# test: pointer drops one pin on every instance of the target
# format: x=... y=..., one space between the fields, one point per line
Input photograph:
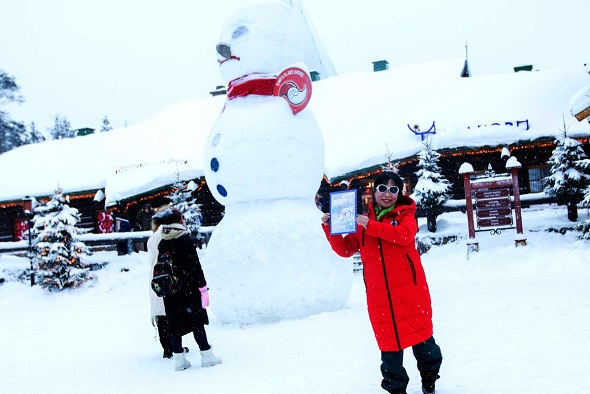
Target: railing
x=109 y=239
x=526 y=200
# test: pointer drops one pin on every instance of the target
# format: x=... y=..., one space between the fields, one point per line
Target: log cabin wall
x=9 y=212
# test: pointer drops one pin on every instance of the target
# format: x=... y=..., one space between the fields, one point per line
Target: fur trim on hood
x=174 y=230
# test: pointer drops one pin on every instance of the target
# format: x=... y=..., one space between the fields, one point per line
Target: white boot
x=180 y=362
x=209 y=359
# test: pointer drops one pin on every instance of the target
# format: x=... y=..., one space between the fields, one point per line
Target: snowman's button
x=222 y=190
x=215 y=140
x=214 y=164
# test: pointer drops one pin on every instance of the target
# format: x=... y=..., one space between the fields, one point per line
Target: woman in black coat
x=185 y=310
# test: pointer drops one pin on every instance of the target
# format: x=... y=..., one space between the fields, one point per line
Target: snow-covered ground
x=508 y=320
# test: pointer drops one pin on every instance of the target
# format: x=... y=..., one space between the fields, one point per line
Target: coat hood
x=403 y=204
x=174 y=230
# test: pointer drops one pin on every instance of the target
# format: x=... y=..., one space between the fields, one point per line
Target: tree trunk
x=572 y=212
x=431 y=222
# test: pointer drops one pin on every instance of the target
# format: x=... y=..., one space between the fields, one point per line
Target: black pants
x=200 y=337
x=162 y=325
x=395 y=377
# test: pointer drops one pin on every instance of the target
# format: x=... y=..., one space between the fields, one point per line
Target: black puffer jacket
x=183 y=309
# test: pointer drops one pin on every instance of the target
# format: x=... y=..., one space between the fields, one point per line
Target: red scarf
x=260 y=84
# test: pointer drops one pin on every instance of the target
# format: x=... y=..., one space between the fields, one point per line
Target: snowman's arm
x=344 y=246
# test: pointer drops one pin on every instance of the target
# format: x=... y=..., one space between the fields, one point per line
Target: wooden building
x=97 y=218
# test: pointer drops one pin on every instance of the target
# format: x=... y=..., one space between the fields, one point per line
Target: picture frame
x=343 y=212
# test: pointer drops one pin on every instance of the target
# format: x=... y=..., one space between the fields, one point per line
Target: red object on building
x=21 y=226
x=104 y=221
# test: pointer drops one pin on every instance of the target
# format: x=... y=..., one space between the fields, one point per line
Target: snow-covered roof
x=580 y=101
x=362 y=116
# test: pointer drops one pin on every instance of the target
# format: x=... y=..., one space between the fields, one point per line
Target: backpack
x=167 y=279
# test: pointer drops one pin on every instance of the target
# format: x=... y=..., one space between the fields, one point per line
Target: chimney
x=219 y=90
x=380 y=65
x=528 y=67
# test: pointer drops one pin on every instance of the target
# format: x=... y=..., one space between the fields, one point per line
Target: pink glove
x=204 y=296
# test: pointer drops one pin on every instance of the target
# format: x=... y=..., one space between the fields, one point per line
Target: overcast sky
x=129 y=59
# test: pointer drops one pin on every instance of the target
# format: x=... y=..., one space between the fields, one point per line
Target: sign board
x=343 y=212
x=580 y=116
x=479 y=194
x=494 y=212
x=294 y=85
x=494 y=222
x=493 y=203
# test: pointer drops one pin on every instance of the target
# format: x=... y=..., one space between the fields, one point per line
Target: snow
x=580 y=101
x=359 y=115
x=513 y=162
x=261 y=36
x=265 y=165
x=465 y=168
x=508 y=320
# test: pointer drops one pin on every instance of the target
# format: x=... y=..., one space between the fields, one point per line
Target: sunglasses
x=384 y=188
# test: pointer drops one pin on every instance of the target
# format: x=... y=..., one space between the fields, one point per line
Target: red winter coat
x=398 y=299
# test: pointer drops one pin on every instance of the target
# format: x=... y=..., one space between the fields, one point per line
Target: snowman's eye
x=239 y=31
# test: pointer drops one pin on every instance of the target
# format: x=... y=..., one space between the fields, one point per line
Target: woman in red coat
x=398 y=299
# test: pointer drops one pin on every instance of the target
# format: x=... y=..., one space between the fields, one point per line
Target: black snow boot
x=168 y=352
x=429 y=381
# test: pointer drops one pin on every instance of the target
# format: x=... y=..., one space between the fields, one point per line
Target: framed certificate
x=343 y=212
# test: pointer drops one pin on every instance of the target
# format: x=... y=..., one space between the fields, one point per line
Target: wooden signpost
x=493 y=205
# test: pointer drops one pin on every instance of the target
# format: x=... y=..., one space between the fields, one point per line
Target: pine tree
x=432 y=188
x=182 y=199
x=10 y=130
x=31 y=135
x=568 y=179
x=106 y=125
x=584 y=226
x=11 y=133
x=58 y=253
x=36 y=135
x=62 y=129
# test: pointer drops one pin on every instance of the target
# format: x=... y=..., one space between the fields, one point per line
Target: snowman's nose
x=224 y=50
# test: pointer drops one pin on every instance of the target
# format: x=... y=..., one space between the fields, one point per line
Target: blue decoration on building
x=222 y=190
x=518 y=124
x=416 y=130
x=214 y=164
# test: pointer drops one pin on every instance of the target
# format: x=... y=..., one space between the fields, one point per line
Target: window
x=536 y=175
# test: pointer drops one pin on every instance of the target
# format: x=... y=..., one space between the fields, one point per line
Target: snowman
x=268 y=259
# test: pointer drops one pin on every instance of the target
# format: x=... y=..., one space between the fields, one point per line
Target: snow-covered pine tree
x=106 y=125
x=10 y=131
x=584 y=227
x=182 y=199
x=58 y=255
x=33 y=135
x=568 y=179
x=62 y=128
x=431 y=190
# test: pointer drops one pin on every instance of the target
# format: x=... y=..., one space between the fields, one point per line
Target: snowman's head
x=262 y=38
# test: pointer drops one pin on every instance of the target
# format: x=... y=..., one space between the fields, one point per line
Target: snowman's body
x=268 y=258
